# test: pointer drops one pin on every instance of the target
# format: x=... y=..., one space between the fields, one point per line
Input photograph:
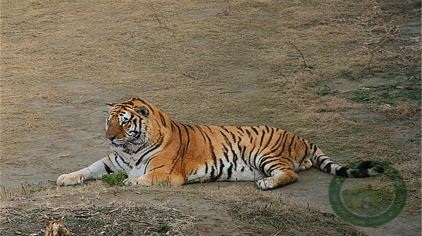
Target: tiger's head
x=134 y=124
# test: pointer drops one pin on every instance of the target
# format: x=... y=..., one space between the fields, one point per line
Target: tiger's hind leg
x=278 y=178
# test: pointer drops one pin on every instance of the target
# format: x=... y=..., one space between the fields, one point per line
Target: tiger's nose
x=110 y=137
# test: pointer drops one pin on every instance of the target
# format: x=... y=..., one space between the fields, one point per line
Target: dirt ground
x=344 y=74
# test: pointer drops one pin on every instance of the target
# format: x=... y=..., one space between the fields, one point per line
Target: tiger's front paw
x=137 y=181
x=70 y=179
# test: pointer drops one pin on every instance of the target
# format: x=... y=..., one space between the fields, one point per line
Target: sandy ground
x=344 y=74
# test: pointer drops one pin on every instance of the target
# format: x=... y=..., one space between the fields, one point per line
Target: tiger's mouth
x=118 y=143
x=127 y=142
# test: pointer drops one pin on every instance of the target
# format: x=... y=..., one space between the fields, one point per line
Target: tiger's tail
x=362 y=170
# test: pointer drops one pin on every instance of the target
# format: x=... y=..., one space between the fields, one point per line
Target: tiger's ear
x=142 y=111
x=109 y=107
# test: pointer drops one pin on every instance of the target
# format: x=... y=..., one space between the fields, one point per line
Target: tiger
x=153 y=149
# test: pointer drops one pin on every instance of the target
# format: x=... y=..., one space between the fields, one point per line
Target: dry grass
x=97 y=208
x=281 y=63
x=97 y=218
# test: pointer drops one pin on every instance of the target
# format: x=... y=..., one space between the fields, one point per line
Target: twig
x=24 y=189
x=305 y=64
x=278 y=232
x=161 y=23
x=86 y=215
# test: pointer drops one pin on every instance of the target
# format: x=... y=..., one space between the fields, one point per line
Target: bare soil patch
x=346 y=75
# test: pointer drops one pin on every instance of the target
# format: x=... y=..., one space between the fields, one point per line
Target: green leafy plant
x=115 y=179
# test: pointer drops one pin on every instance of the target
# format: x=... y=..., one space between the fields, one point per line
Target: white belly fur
x=237 y=175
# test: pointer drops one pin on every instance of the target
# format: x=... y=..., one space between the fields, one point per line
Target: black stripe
x=254 y=130
x=206 y=168
x=121 y=158
x=262 y=139
x=250 y=156
x=304 y=155
x=269 y=139
x=201 y=131
x=276 y=145
x=255 y=158
x=213 y=178
x=314 y=148
x=138 y=133
x=290 y=145
x=225 y=153
x=234 y=159
x=225 y=129
x=242 y=154
x=240 y=131
x=181 y=148
x=152 y=148
x=115 y=159
x=233 y=136
x=214 y=158
x=225 y=137
x=229 y=171
x=324 y=163
x=107 y=168
x=147 y=164
x=342 y=172
x=172 y=126
x=206 y=126
x=188 y=138
x=188 y=126
x=240 y=150
x=317 y=159
x=273 y=167
x=284 y=142
x=156 y=168
x=280 y=148
x=248 y=133
x=328 y=167
x=276 y=166
x=221 y=169
x=163 y=120
x=265 y=161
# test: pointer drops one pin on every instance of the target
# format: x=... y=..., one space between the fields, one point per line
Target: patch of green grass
x=390 y=94
x=103 y=209
x=162 y=228
x=325 y=91
x=361 y=95
x=347 y=74
x=272 y=217
x=115 y=179
x=394 y=83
